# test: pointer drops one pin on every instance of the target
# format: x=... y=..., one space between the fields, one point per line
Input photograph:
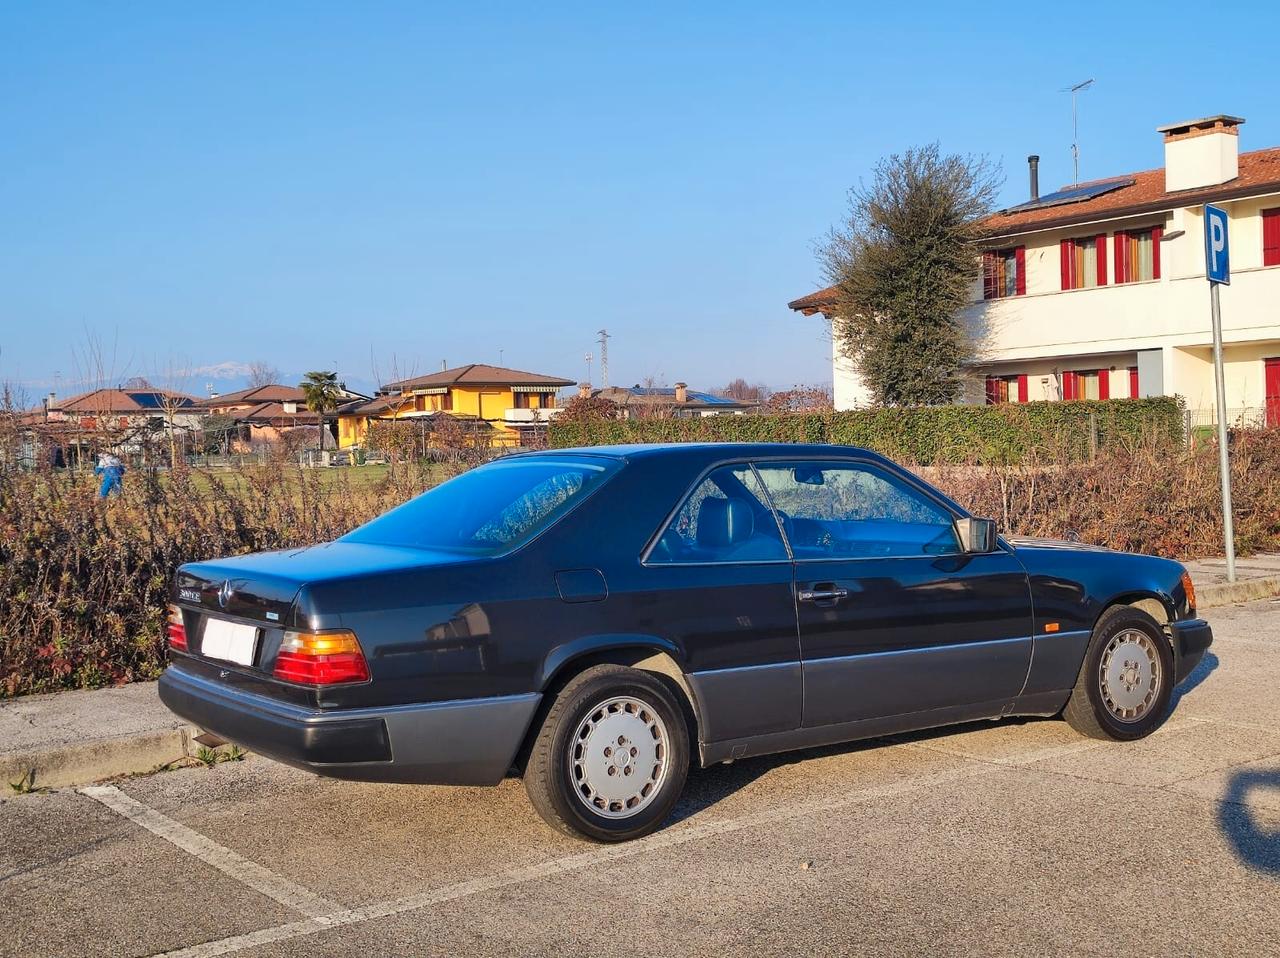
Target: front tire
x=1126 y=681
x=611 y=758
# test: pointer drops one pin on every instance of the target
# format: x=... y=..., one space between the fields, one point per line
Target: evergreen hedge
x=1004 y=434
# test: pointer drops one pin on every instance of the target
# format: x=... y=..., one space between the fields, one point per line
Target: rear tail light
x=1189 y=588
x=175 y=631
x=321 y=658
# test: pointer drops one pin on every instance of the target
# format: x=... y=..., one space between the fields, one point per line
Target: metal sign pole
x=1224 y=460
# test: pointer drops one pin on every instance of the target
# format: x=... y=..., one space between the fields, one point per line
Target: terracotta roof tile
x=273 y=392
x=478 y=374
x=815 y=302
x=1259 y=172
x=108 y=401
x=273 y=413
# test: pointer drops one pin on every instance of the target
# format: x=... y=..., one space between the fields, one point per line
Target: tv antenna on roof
x=1075 y=124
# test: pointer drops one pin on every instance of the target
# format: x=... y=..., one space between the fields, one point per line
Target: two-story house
x=1098 y=291
x=262 y=415
x=126 y=413
x=506 y=406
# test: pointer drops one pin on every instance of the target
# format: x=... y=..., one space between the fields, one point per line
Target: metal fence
x=1238 y=417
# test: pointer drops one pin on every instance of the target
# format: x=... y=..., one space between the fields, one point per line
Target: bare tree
x=262 y=373
x=801 y=399
x=744 y=391
x=175 y=379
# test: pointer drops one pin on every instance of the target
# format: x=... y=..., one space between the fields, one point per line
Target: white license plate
x=229 y=641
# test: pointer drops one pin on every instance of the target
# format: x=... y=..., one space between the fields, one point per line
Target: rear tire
x=1126 y=681
x=612 y=756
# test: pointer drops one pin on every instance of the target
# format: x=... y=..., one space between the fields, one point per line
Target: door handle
x=822 y=595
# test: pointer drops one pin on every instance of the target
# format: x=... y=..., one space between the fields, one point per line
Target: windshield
x=489 y=510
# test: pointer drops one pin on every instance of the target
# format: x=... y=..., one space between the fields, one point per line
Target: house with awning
x=495 y=405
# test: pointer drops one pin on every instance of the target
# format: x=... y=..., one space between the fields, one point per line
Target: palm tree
x=322 y=392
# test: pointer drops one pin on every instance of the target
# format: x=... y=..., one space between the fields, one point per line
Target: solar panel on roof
x=1073 y=194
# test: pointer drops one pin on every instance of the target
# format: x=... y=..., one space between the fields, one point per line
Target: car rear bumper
x=463 y=742
x=1190 y=640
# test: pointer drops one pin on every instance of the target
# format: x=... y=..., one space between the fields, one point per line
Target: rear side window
x=724 y=519
x=854 y=511
x=489 y=510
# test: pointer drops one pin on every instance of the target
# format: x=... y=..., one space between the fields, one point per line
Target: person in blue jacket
x=111 y=469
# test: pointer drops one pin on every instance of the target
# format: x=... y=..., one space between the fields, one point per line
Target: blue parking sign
x=1217 y=255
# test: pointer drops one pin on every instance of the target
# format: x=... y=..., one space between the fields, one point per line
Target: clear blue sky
x=319 y=183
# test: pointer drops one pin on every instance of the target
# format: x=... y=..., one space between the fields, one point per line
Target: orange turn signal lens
x=321 y=658
x=1051 y=626
x=1190 y=589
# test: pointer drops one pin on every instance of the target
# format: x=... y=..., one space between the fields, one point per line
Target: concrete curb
x=1244 y=590
x=81 y=764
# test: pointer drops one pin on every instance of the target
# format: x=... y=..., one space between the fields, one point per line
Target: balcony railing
x=531 y=416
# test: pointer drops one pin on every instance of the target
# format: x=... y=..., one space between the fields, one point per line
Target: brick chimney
x=1200 y=153
x=584 y=390
x=682 y=392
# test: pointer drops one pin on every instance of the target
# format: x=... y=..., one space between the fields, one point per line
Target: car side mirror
x=976 y=535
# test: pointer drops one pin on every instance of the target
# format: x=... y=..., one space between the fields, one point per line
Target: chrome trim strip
x=922 y=649
x=701 y=565
x=790 y=664
x=891 y=652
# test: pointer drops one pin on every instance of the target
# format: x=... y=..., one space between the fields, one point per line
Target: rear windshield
x=489 y=510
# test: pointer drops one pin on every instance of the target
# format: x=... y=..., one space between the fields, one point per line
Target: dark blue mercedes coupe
x=598 y=620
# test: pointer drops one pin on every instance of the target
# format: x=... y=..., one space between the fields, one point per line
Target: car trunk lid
x=236 y=610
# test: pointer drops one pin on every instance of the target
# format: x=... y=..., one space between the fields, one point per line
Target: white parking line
x=224 y=859
x=323 y=914
x=679 y=835
x=670 y=838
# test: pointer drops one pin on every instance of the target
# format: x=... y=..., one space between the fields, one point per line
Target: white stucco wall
x=1050 y=328
x=848 y=389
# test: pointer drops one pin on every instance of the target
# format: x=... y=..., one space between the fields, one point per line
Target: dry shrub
x=1147 y=499
x=83 y=581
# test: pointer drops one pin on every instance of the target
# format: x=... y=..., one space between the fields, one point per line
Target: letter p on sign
x=1217 y=253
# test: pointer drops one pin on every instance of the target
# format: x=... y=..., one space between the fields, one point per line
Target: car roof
x=712 y=450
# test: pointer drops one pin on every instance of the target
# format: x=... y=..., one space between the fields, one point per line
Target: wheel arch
x=1156 y=604
x=647 y=653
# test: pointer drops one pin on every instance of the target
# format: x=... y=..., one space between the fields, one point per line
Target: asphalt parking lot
x=1016 y=838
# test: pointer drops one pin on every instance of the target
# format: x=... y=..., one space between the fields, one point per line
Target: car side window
x=855 y=511
x=725 y=519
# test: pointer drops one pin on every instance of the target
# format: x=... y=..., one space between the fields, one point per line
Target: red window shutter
x=1067 y=255
x=1104 y=384
x=1156 y=233
x=1022 y=388
x=1068 y=385
x=1121 y=241
x=1271 y=237
x=993 y=390
x=1133 y=382
x=1020 y=254
x=1101 y=251
x=988 y=275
